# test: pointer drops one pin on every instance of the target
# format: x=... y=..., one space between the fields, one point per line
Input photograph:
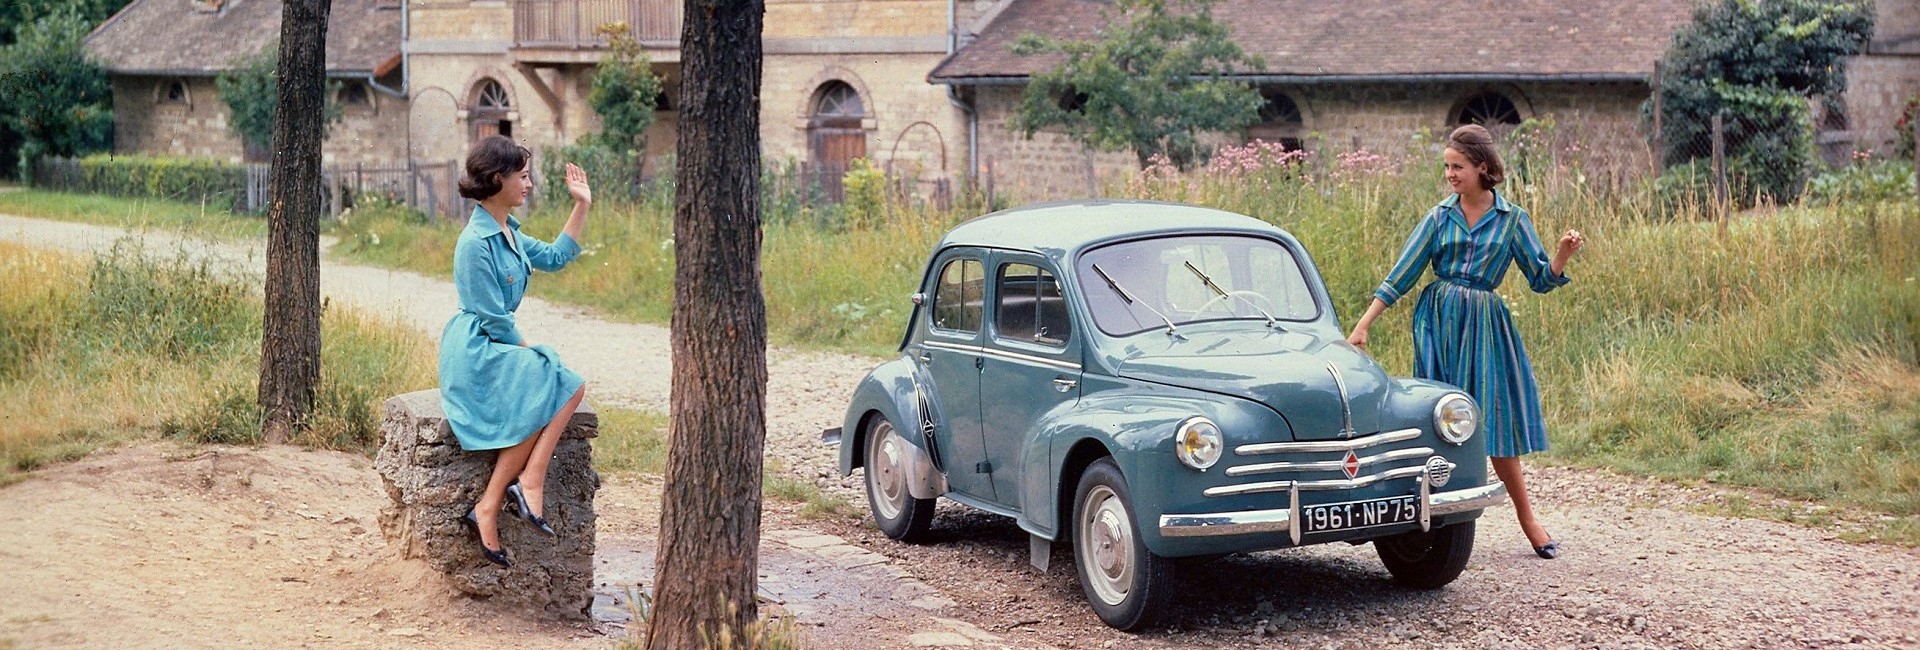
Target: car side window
x=960 y=296
x=1030 y=307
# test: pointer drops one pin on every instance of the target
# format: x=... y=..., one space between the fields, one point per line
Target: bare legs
x=1508 y=468
x=528 y=462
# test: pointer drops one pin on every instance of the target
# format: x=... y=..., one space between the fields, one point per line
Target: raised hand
x=1570 y=243
x=577 y=185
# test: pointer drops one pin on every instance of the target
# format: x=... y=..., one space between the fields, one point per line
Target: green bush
x=1903 y=126
x=195 y=180
x=866 y=201
x=1863 y=182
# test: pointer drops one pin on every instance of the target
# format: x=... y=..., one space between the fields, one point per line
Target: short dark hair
x=1476 y=143
x=493 y=157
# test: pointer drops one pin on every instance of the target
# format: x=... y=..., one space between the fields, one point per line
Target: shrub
x=196 y=180
x=866 y=195
x=1863 y=182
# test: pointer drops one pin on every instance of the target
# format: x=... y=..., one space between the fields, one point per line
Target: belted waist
x=1467 y=283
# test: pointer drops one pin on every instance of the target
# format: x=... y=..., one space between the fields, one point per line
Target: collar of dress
x=485 y=225
x=1452 y=206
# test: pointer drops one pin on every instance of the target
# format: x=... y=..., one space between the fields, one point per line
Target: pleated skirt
x=1465 y=336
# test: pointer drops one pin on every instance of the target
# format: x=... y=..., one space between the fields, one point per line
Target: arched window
x=1280 y=121
x=490 y=110
x=353 y=94
x=1488 y=109
x=835 y=135
x=174 y=91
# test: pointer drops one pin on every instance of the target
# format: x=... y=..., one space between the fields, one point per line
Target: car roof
x=1066 y=226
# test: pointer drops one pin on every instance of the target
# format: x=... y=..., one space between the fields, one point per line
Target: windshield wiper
x=1129 y=298
x=1271 y=321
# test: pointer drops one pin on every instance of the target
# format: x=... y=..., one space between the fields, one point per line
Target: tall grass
x=132 y=344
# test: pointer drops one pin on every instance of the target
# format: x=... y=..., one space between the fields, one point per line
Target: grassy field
x=1777 y=349
x=133 y=345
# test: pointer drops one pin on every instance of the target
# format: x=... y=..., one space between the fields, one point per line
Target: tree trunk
x=710 y=515
x=290 y=330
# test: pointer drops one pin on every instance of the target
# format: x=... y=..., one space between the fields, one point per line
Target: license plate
x=1360 y=514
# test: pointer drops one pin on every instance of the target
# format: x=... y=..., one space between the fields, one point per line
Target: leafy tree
x=1757 y=63
x=1153 y=81
x=251 y=93
x=625 y=92
x=17 y=14
x=53 y=97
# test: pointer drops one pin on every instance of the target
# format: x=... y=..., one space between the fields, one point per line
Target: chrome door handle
x=1064 y=385
x=924 y=357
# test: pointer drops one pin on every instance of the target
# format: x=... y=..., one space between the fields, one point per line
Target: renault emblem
x=1351 y=465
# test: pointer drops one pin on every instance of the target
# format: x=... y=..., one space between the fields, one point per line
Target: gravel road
x=1644 y=568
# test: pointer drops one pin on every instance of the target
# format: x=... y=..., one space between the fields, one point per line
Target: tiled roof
x=1564 y=39
x=177 y=37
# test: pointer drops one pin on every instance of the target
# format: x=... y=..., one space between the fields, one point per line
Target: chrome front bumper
x=1287 y=520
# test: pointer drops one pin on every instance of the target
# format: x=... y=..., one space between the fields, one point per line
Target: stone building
x=924 y=88
x=162 y=57
x=1880 y=82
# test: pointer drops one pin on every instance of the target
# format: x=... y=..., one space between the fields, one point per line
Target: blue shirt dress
x=497 y=393
x=1462 y=332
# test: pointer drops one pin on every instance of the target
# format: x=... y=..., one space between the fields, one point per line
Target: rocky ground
x=158 y=546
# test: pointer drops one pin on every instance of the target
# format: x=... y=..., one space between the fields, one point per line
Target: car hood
x=1291 y=372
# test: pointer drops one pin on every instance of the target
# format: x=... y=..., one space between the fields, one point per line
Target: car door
x=949 y=352
x=1031 y=367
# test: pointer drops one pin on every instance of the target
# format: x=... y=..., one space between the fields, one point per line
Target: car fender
x=893 y=390
x=1134 y=425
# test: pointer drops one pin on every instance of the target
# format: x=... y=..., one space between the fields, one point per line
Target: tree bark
x=290 y=330
x=710 y=515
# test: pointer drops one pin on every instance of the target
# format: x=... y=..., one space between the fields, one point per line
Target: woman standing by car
x=499 y=392
x=1462 y=331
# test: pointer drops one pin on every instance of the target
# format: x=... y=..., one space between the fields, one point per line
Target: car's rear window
x=1165 y=275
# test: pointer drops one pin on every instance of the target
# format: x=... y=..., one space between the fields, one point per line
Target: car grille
x=1336 y=451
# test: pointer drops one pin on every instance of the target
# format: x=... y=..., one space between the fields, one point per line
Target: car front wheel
x=1427 y=560
x=1128 y=586
x=899 y=515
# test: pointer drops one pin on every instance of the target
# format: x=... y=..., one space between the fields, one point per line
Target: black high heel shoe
x=526 y=512
x=1547 y=551
x=498 y=556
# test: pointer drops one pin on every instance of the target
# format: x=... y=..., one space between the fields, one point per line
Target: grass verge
x=131 y=213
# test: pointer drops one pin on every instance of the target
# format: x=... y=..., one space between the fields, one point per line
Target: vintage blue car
x=1157 y=381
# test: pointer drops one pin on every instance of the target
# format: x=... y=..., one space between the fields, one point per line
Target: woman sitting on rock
x=499 y=392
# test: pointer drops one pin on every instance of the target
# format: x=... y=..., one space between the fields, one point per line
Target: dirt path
x=218 y=547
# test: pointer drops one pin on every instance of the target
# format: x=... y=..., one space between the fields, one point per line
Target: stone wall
x=1878 y=86
x=431 y=482
x=147 y=122
x=1597 y=121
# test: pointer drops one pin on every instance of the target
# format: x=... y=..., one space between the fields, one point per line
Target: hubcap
x=886 y=474
x=1106 y=540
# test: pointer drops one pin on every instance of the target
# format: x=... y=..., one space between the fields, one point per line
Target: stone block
x=431 y=482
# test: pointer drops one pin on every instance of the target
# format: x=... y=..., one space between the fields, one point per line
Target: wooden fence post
x=1659 y=120
x=1915 y=125
x=1719 y=172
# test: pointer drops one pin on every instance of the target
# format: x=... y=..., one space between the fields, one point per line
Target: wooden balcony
x=574 y=24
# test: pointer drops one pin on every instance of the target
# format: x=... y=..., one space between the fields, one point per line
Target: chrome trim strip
x=1328 y=465
x=1277 y=486
x=1426 y=498
x=1212 y=524
x=1326 y=445
x=1480 y=498
x=1002 y=354
x=1346 y=404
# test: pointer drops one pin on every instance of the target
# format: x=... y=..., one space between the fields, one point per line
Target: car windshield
x=1140 y=285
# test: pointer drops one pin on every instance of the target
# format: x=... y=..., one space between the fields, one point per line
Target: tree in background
x=1757 y=64
x=251 y=93
x=15 y=17
x=1152 y=82
x=706 y=571
x=625 y=93
x=54 y=99
x=290 y=330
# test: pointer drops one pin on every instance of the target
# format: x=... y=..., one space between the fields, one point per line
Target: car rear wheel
x=1427 y=560
x=1128 y=586
x=899 y=515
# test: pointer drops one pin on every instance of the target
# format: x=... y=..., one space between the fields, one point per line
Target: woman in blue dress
x=1462 y=332
x=499 y=391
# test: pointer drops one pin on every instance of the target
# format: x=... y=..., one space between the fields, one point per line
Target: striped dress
x=1462 y=332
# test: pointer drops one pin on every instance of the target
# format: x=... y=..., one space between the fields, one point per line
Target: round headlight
x=1198 y=443
x=1456 y=418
